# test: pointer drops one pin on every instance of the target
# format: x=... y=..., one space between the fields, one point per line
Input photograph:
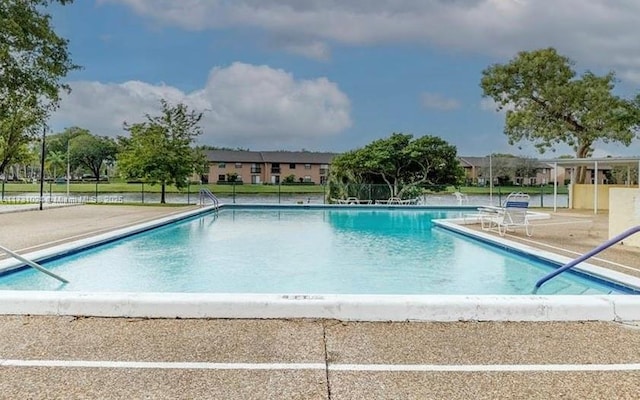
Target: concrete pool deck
x=69 y=357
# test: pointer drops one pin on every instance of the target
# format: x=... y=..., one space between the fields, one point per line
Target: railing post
x=587 y=255
x=33 y=264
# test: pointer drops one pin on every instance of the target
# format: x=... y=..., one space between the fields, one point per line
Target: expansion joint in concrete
x=326 y=359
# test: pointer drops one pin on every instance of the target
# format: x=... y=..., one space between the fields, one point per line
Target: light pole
x=68 y=169
x=490 y=181
x=44 y=135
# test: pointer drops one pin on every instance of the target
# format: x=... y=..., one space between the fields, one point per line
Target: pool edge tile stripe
x=320 y=366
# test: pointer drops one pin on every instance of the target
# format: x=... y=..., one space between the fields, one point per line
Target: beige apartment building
x=256 y=167
x=476 y=171
x=273 y=167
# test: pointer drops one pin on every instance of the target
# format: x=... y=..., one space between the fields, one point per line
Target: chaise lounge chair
x=511 y=216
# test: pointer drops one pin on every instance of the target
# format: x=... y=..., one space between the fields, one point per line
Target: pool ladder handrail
x=587 y=255
x=33 y=264
x=206 y=194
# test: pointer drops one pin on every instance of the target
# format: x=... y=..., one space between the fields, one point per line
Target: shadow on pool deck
x=113 y=358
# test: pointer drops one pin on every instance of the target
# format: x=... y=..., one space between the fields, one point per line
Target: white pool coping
x=445 y=308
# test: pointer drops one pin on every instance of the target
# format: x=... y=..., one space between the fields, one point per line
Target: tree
x=60 y=143
x=20 y=123
x=547 y=104
x=526 y=168
x=159 y=149
x=33 y=59
x=501 y=169
x=400 y=162
x=92 y=152
x=55 y=160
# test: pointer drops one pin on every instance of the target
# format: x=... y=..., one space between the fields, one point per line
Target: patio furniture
x=461 y=197
x=511 y=216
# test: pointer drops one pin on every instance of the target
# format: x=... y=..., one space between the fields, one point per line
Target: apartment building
x=267 y=166
x=476 y=170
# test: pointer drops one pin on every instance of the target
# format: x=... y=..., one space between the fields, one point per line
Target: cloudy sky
x=329 y=75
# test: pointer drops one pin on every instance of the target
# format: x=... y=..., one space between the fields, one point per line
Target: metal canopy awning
x=589 y=162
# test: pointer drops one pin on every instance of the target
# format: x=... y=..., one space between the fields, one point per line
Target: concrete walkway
x=115 y=358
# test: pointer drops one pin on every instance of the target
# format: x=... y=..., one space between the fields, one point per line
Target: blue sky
x=329 y=75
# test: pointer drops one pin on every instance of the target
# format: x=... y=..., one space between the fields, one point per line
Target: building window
x=307 y=178
x=238 y=165
x=324 y=168
x=292 y=166
x=307 y=166
x=222 y=165
x=323 y=180
x=275 y=168
x=256 y=168
x=222 y=177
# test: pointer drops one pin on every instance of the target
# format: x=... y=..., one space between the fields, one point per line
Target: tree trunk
x=162 y=193
x=581 y=170
x=581 y=174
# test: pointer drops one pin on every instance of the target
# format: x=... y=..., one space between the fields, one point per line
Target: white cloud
x=437 y=101
x=315 y=49
x=597 y=33
x=488 y=104
x=244 y=105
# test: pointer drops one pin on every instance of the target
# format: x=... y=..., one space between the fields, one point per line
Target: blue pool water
x=328 y=251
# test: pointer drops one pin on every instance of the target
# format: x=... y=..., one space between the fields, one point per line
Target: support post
x=44 y=135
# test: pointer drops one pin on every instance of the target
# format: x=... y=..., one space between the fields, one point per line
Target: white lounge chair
x=511 y=216
x=461 y=197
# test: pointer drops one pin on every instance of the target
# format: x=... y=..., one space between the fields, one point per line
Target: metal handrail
x=585 y=256
x=33 y=264
x=206 y=193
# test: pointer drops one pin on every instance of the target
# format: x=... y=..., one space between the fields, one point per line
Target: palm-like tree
x=54 y=160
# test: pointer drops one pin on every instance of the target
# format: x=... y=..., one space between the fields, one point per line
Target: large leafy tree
x=160 y=150
x=33 y=60
x=92 y=152
x=401 y=162
x=60 y=143
x=547 y=103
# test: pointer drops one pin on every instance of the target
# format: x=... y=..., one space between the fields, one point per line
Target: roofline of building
x=573 y=162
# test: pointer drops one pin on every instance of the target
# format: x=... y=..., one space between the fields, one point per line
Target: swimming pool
x=304 y=251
